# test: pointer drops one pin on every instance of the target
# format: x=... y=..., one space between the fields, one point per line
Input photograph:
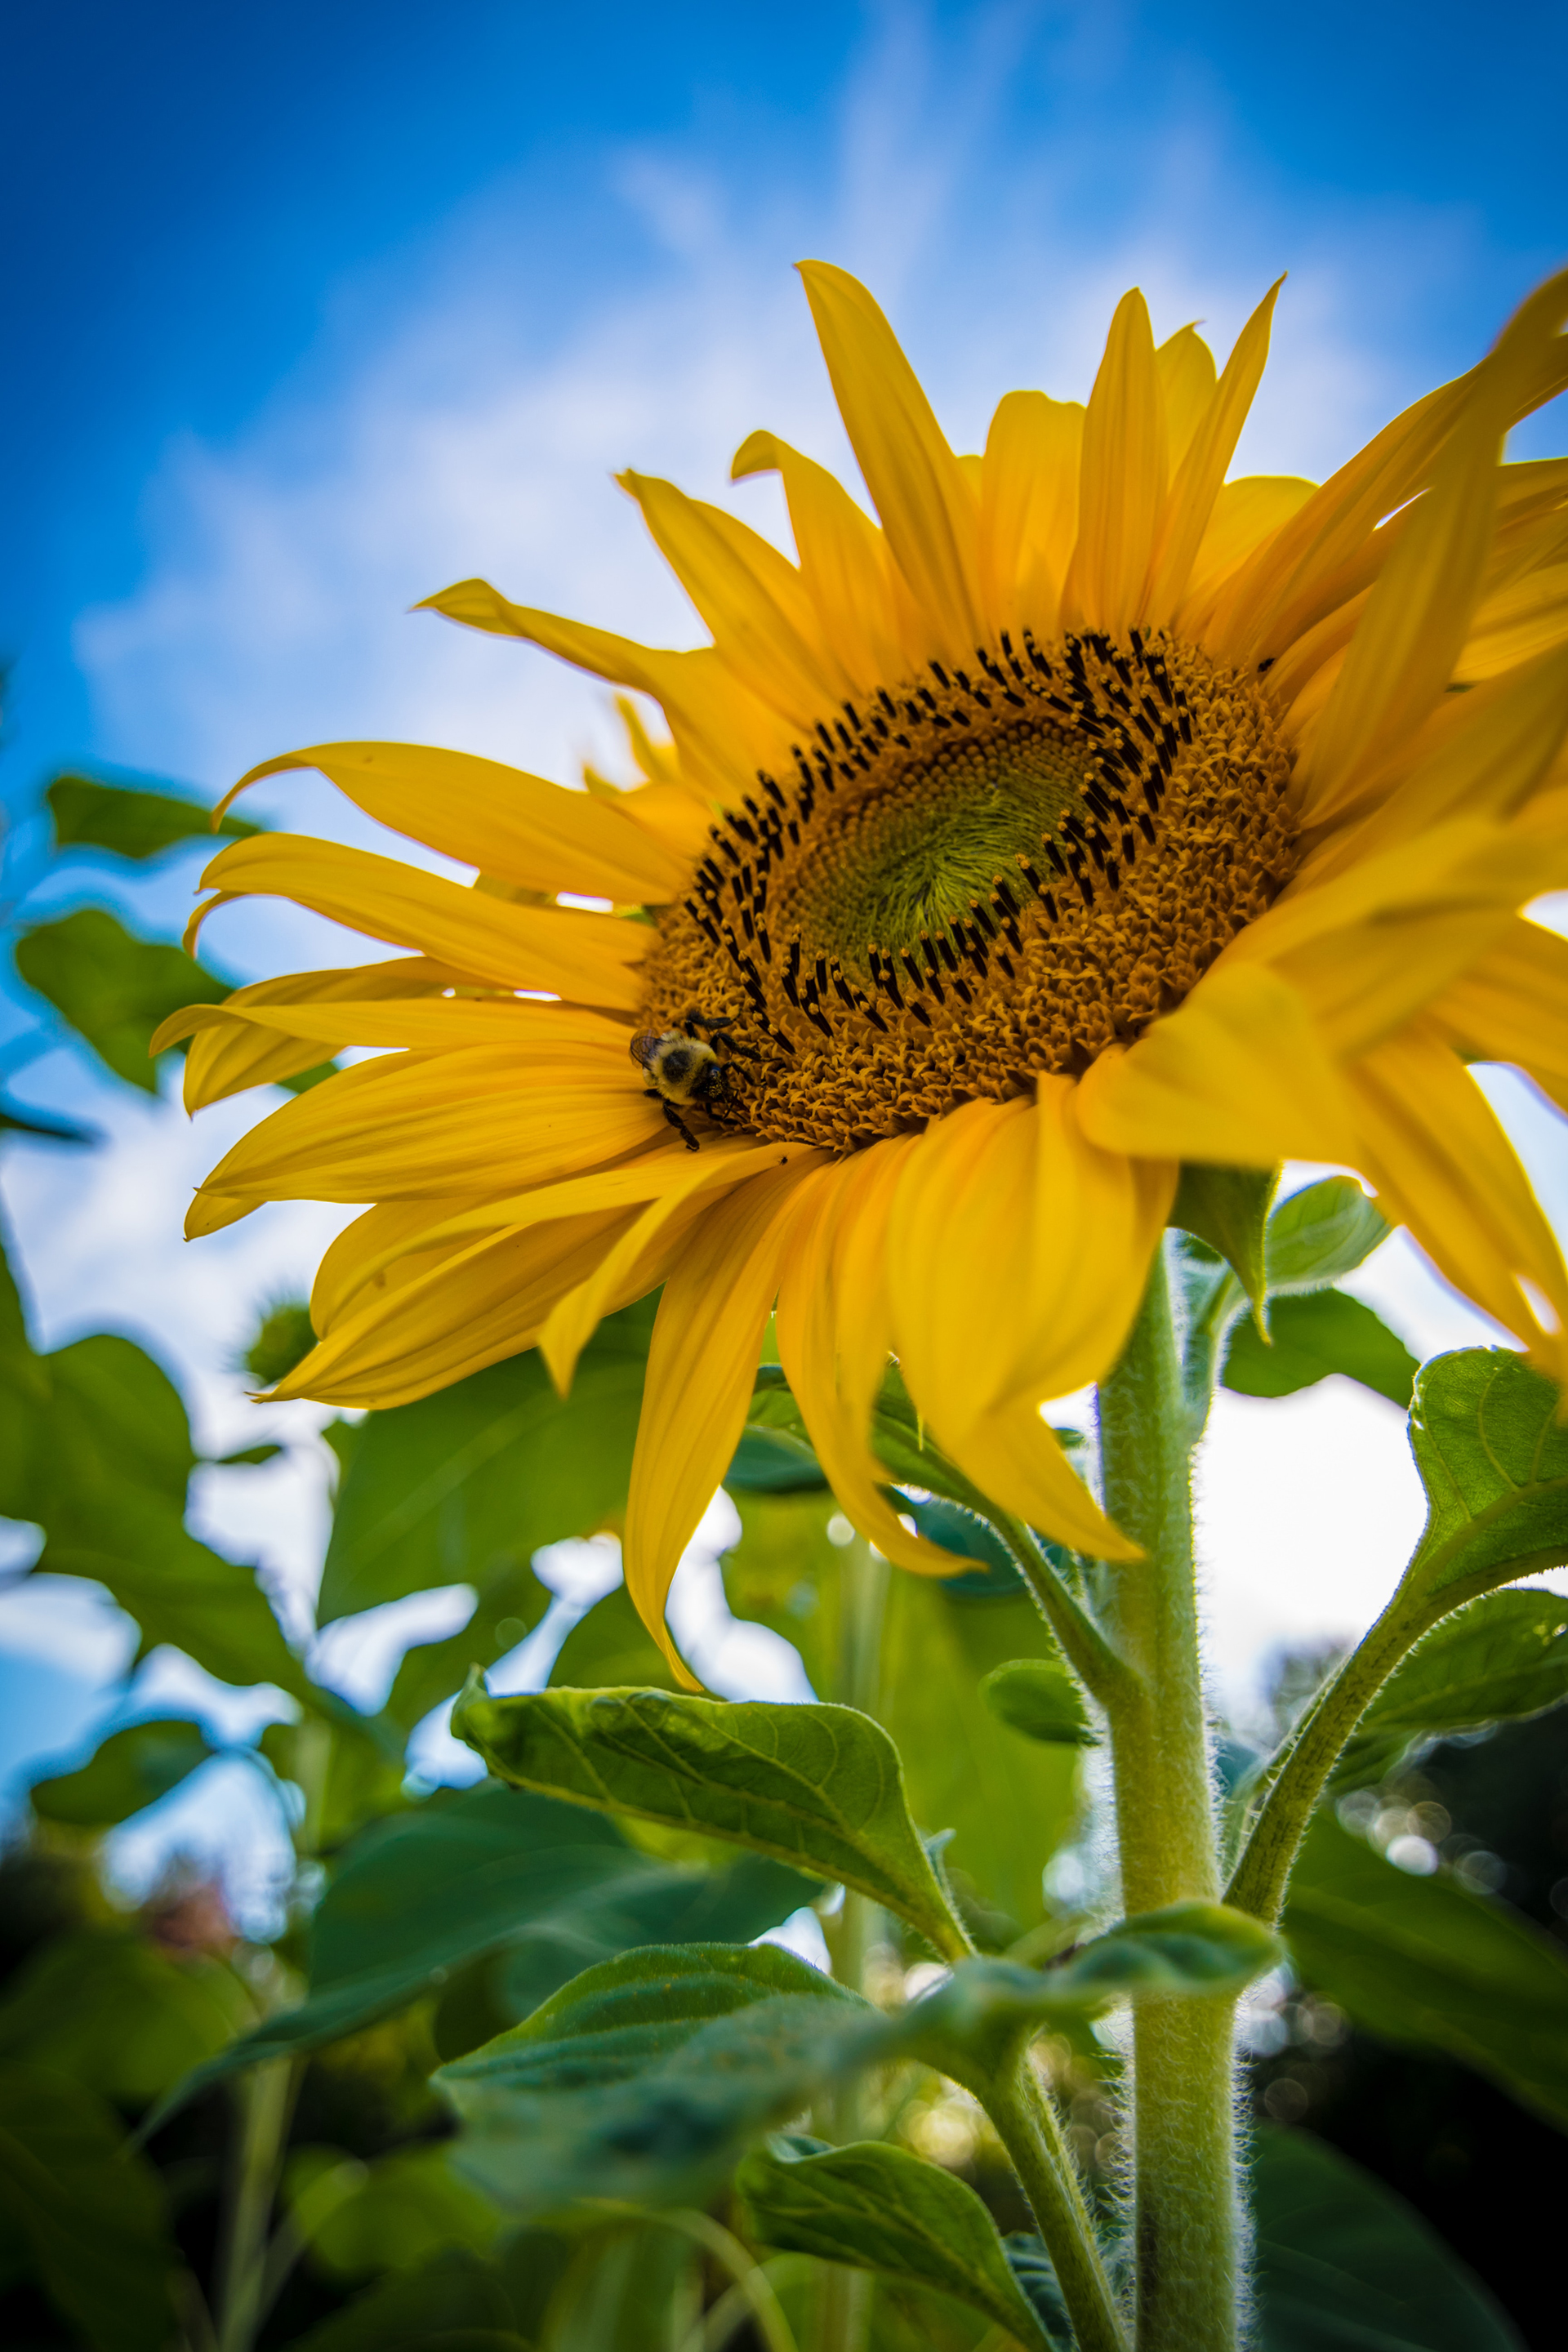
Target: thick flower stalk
x=1085 y=814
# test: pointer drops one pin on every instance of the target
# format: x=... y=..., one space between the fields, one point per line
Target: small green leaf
x=1342 y=2262
x=90 y=2215
x=1189 y=1950
x=1493 y=1458
x=133 y=1767
x=1500 y=1658
x=132 y=822
x=1427 y=1963
x=112 y=988
x=1040 y=1698
x=642 y=2079
x=248 y=1457
x=469 y=1483
x=1319 y=1234
x=454 y=2302
x=881 y=2209
x=423 y=1893
x=1228 y=1208
x=817 y=1787
x=1321 y=1332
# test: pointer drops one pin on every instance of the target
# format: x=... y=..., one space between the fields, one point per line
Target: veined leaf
x=1493 y=1458
x=1500 y=1658
x=1427 y=1963
x=83 y=2213
x=1228 y=1208
x=1342 y=2262
x=423 y=1893
x=468 y=1485
x=1041 y=1700
x=112 y=988
x=132 y=1768
x=1317 y=1333
x=130 y=820
x=642 y=2080
x=881 y=2209
x=1319 y=1234
x=817 y=1787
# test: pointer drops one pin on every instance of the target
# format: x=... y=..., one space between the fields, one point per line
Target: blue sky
x=315 y=309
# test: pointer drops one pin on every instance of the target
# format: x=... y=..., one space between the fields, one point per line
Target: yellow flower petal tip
x=1078 y=811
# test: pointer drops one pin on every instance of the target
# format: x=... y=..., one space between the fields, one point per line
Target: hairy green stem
x=1186 y=2171
x=1262 y=1873
x=1098 y=1665
x=1020 y=2107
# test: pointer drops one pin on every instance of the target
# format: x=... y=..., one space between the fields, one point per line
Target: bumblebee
x=683 y=1067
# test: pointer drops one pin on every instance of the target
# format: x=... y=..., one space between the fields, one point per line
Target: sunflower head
x=1087 y=811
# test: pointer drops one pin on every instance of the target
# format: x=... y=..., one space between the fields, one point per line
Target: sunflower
x=1085 y=814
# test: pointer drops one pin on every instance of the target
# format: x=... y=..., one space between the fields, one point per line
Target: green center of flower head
x=975 y=878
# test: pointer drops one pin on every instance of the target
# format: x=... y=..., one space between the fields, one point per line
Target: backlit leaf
x=1228 y=1208
x=1342 y=2262
x=882 y=2208
x=1493 y=1458
x=817 y=1787
x=1319 y=1332
x=1041 y=1700
x=1501 y=1657
x=132 y=1768
x=113 y=988
x=468 y=1485
x=1319 y=1234
x=1425 y=1962
x=129 y=821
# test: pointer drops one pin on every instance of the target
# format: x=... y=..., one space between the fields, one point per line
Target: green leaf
x=1427 y=1963
x=133 y=1767
x=610 y=1648
x=422 y=1894
x=112 y=988
x=1008 y=1803
x=622 y=2289
x=1343 y=2263
x=468 y=1485
x=1040 y=1698
x=1189 y=1950
x=90 y=2214
x=13 y=1121
x=818 y=1786
x=1498 y=1659
x=110 y=2010
x=1493 y=1458
x=1321 y=1332
x=642 y=2079
x=391 y=2215
x=1319 y=1234
x=1228 y=1208
x=772 y=1462
x=786 y=1574
x=455 y=2302
x=881 y=2209
x=512 y=1603
x=132 y=822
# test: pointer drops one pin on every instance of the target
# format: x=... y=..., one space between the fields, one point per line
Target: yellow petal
x=1512 y=1005
x=1246 y=514
x=751 y=598
x=928 y=507
x=414 y=1126
x=379 y=1250
x=1526 y=618
x=1441 y=1164
x=1237 y=1076
x=516 y=826
x=230 y=1051
x=843 y=562
x=833 y=1333
x=702 y=1368
x=444 y=1022
x=1122 y=490
x=1201 y=469
x=468 y=1309
x=1013 y=1456
x=1187 y=374
x=1028 y=510
x=581 y=956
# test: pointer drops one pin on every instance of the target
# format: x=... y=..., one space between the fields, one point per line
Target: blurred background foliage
x=1409 y=2071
